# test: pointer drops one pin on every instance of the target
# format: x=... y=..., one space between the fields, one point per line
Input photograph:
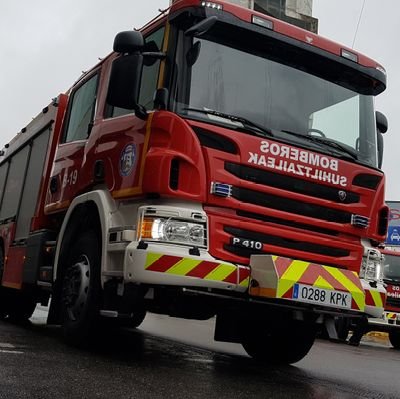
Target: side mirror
x=382 y=127
x=128 y=42
x=126 y=72
x=380 y=149
x=124 y=85
x=381 y=122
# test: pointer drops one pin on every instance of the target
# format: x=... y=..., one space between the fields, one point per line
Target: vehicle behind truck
x=218 y=163
x=390 y=320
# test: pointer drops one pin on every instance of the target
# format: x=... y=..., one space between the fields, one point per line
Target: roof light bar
x=349 y=55
x=265 y=23
x=210 y=4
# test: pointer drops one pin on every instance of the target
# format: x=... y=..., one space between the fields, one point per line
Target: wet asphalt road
x=173 y=358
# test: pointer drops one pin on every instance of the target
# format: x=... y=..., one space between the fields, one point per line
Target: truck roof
x=281 y=27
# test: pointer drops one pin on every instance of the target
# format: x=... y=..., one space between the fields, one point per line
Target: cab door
x=68 y=176
x=123 y=138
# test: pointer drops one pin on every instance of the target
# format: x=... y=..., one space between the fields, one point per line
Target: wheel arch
x=88 y=211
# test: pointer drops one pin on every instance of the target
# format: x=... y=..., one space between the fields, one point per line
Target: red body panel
x=14 y=266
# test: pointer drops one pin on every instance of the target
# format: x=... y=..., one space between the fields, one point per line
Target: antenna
x=358 y=24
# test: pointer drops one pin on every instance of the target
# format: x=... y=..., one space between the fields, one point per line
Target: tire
x=285 y=343
x=394 y=338
x=81 y=290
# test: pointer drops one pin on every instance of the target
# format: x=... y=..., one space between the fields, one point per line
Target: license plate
x=321 y=296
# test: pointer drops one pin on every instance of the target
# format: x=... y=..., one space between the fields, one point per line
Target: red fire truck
x=218 y=162
x=390 y=320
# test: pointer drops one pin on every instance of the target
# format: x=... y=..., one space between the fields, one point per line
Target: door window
x=81 y=111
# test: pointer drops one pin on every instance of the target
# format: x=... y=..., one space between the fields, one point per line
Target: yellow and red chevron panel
x=291 y=271
x=375 y=298
x=202 y=269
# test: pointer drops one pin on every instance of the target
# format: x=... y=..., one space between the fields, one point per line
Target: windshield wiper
x=325 y=141
x=247 y=124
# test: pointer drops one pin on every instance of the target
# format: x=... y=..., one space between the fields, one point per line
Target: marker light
x=349 y=55
x=265 y=23
x=210 y=4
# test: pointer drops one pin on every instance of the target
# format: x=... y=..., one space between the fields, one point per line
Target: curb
x=377 y=334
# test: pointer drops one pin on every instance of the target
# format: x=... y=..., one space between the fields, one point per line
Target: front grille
x=367 y=181
x=277 y=241
x=287 y=222
x=290 y=206
x=210 y=139
x=290 y=216
x=292 y=184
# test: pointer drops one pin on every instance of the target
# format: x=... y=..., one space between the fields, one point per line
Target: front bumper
x=282 y=278
x=269 y=277
x=160 y=264
x=387 y=322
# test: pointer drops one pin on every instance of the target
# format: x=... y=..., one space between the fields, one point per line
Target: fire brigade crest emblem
x=127 y=160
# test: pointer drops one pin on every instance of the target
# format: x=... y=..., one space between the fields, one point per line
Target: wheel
x=280 y=343
x=320 y=132
x=81 y=290
x=394 y=338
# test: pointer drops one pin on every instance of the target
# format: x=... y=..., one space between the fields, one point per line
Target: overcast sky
x=45 y=45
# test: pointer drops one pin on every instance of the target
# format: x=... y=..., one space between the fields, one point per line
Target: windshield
x=298 y=105
x=391 y=268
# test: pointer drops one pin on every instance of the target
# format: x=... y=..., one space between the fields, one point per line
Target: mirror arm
x=141 y=112
x=156 y=55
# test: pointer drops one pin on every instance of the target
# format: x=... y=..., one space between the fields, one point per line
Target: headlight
x=371 y=267
x=172 y=230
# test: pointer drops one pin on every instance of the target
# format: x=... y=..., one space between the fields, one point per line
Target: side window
x=148 y=85
x=81 y=111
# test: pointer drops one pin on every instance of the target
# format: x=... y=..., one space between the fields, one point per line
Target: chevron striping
x=183 y=267
x=151 y=258
x=358 y=294
x=291 y=276
x=376 y=296
x=282 y=264
x=322 y=283
x=220 y=273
